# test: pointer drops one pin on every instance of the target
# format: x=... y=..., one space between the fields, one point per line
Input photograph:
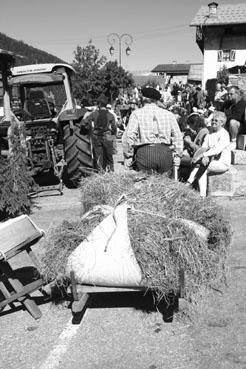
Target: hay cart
x=81 y=293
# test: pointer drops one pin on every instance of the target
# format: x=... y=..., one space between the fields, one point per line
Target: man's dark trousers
x=154 y=157
x=103 y=151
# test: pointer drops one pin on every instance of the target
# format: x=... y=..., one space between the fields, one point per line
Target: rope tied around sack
x=199 y=230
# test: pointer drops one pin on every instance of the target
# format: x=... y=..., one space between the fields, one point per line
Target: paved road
x=112 y=334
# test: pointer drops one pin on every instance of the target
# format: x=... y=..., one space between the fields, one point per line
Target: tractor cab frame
x=42 y=101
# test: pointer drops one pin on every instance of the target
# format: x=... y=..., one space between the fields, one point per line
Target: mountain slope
x=29 y=54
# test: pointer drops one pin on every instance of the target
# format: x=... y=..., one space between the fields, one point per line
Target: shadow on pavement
x=144 y=301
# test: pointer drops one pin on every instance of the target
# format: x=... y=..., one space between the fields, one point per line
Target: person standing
x=102 y=126
x=114 y=136
x=151 y=134
x=166 y=96
x=219 y=97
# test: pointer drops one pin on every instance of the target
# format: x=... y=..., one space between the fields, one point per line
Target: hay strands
x=201 y=231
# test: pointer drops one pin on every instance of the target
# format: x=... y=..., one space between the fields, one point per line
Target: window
x=226 y=55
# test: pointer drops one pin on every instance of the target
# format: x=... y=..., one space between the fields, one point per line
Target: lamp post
x=124 y=38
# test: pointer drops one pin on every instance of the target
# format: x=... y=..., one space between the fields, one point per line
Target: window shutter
x=198 y=33
x=219 y=55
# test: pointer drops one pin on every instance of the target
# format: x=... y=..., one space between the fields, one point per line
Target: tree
x=87 y=63
x=223 y=75
x=15 y=179
x=95 y=76
x=114 y=78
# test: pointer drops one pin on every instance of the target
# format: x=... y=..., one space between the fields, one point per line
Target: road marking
x=53 y=359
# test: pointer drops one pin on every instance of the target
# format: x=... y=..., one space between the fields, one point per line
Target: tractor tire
x=78 y=155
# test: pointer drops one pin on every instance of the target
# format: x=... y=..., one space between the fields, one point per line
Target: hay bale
x=159 y=194
x=162 y=241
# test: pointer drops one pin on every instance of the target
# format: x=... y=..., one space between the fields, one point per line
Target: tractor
x=41 y=101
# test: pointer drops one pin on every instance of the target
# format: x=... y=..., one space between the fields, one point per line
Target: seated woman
x=194 y=134
x=214 y=156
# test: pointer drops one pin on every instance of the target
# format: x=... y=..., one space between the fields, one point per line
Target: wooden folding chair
x=16 y=236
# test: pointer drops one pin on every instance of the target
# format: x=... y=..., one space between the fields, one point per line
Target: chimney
x=213 y=8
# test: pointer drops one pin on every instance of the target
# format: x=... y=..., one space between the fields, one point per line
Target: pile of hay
x=161 y=241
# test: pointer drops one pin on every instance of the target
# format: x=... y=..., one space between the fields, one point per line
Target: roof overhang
x=204 y=24
x=237 y=69
x=174 y=69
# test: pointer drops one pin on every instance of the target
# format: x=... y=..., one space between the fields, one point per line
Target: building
x=195 y=73
x=221 y=36
x=172 y=72
x=179 y=72
x=175 y=72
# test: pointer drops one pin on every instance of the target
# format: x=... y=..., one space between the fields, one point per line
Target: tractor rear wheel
x=78 y=155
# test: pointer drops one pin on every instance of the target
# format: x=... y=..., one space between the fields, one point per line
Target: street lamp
x=125 y=37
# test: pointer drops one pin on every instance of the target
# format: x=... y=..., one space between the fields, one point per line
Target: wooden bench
x=80 y=293
x=16 y=236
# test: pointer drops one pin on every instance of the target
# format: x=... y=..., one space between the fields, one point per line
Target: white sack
x=106 y=257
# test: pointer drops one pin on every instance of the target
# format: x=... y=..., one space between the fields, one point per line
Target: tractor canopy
x=40 y=74
x=54 y=79
x=37 y=79
x=42 y=68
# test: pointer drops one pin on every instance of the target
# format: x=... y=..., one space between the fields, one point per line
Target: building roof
x=196 y=72
x=225 y=14
x=237 y=69
x=172 y=68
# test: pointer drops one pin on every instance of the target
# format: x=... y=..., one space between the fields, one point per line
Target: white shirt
x=218 y=145
x=114 y=114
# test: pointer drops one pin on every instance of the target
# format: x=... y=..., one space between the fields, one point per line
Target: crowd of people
x=179 y=125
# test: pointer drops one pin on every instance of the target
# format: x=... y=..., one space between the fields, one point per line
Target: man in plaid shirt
x=151 y=135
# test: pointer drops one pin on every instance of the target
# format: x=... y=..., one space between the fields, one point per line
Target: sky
x=159 y=28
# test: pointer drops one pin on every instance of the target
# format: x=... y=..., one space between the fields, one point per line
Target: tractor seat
x=37 y=105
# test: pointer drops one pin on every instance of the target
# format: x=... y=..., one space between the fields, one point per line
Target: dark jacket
x=100 y=121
